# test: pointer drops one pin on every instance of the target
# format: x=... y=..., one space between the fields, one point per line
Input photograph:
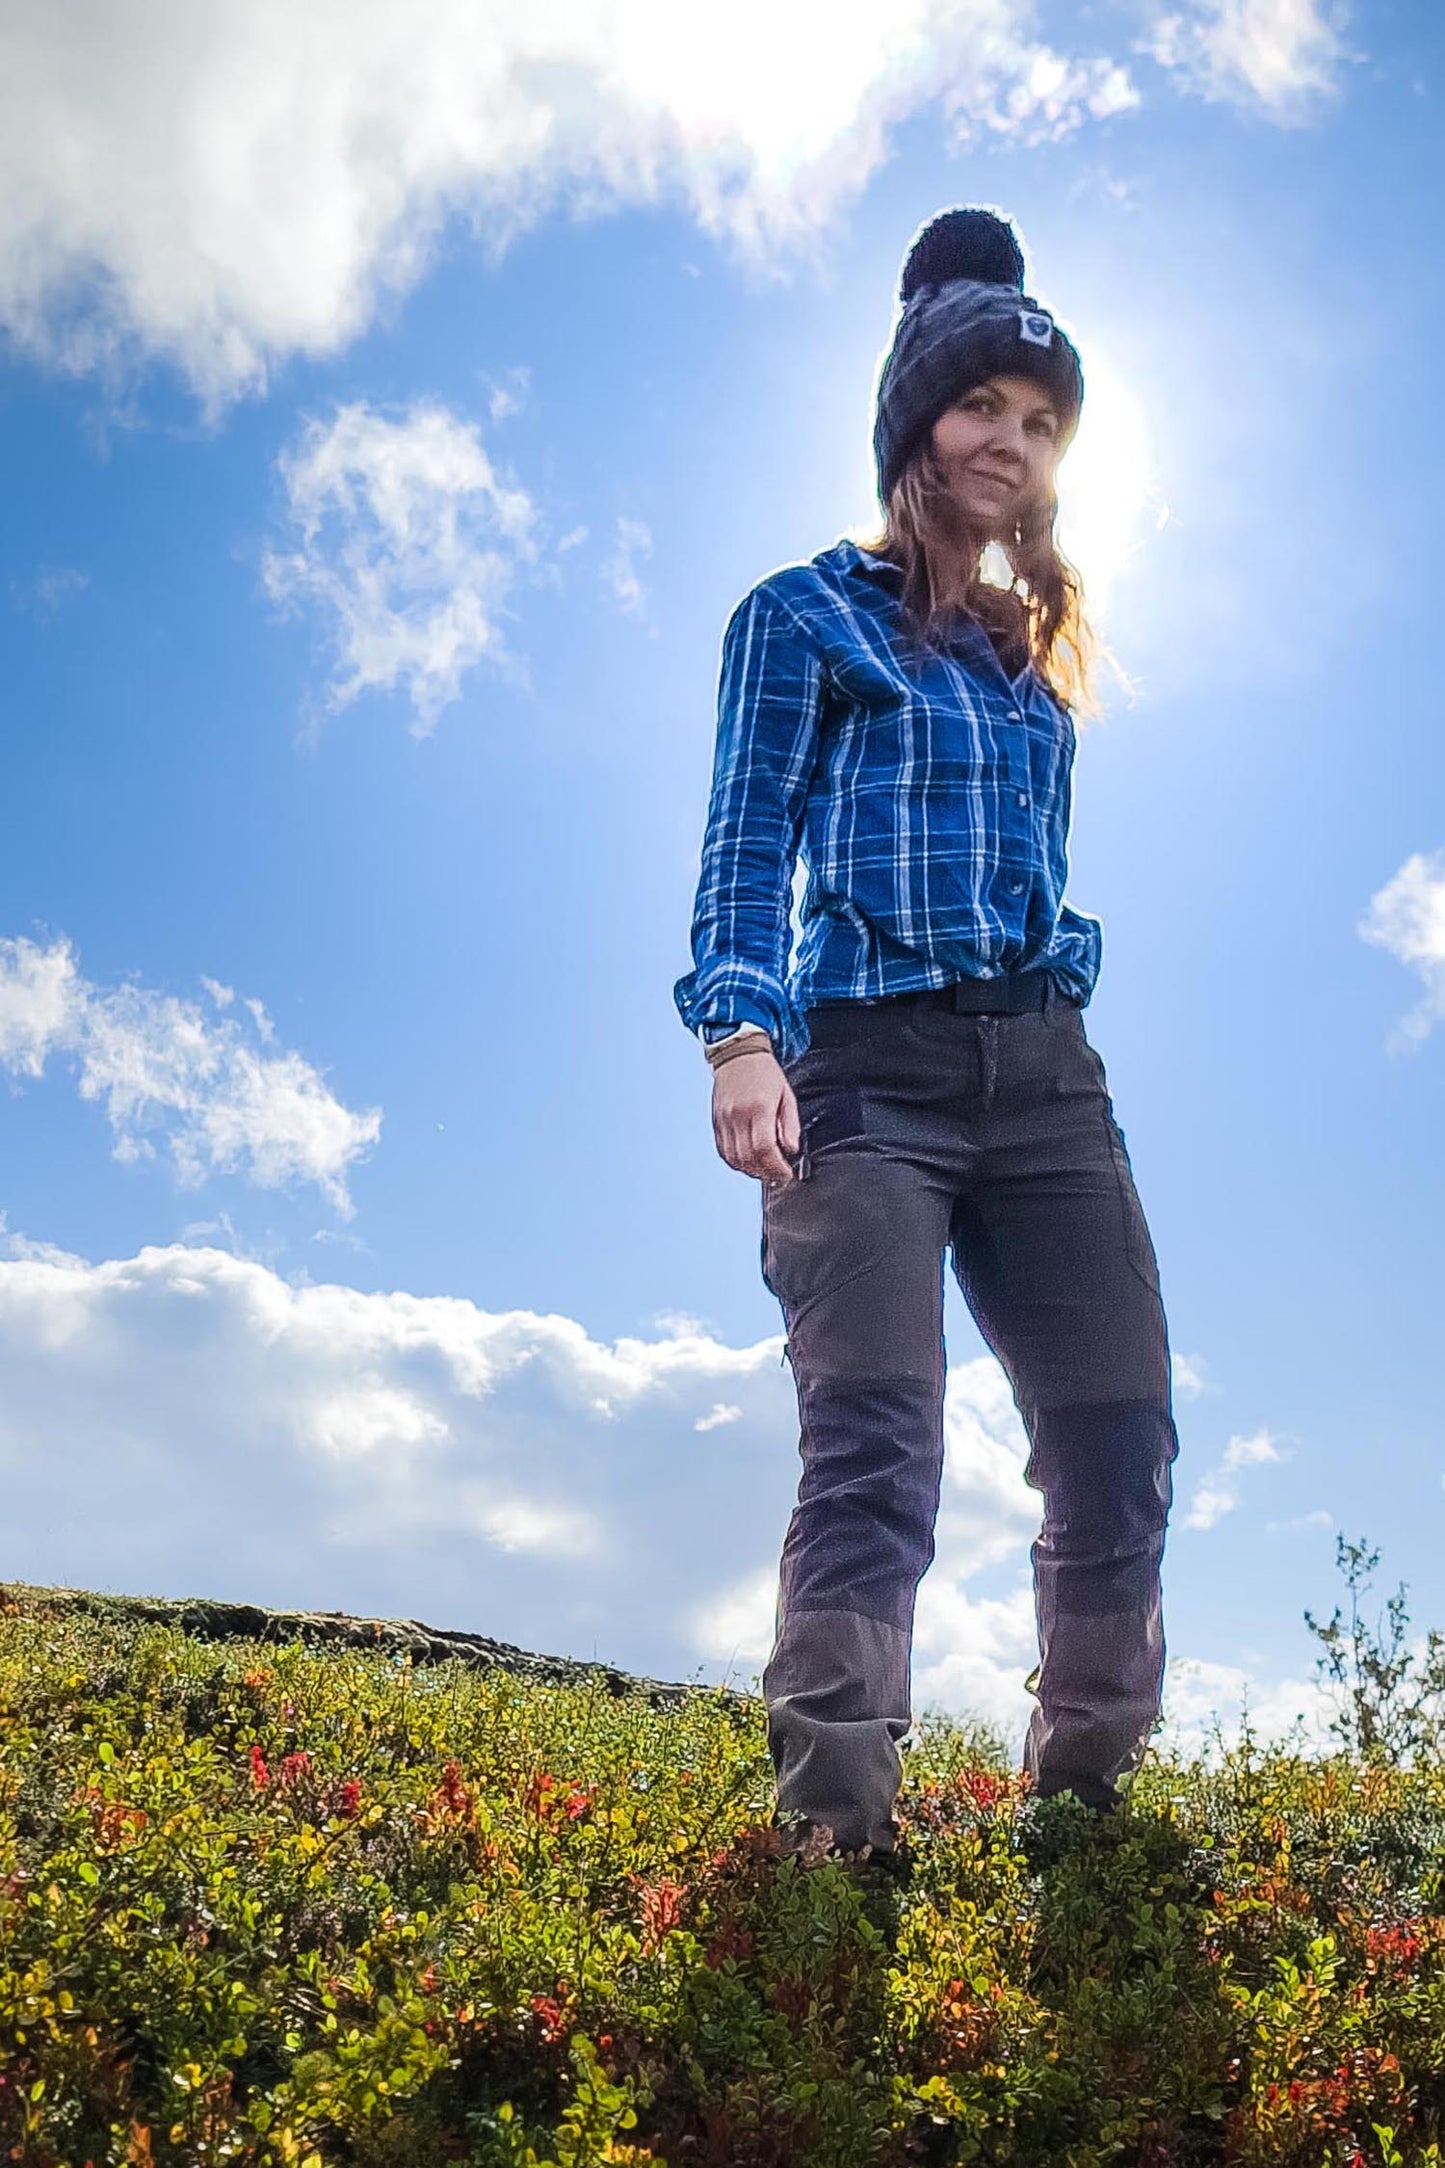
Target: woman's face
x=998 y=445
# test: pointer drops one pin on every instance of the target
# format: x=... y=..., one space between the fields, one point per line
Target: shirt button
x=1016 y=888
x=1014 y=715
x=1023 y=797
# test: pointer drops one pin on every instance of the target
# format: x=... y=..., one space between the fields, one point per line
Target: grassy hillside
x=299 y=1902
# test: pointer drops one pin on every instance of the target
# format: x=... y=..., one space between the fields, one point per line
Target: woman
x=921 y=1080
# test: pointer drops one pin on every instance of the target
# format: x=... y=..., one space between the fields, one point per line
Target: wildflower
x=118 y=1821
x=551 y=2018
x=451 y=1797
x=348 y=1800
x=260 y=1774
x=981 y=1788
x=110 y=1819
x=427 y=1981
x=536 y=1798
x=1394 y=1945
x=966 y=2023
x=661 y=1911
x=547 y=1796
x=294 y=1767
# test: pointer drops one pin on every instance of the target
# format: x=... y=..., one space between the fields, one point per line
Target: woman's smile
x=1007 y=418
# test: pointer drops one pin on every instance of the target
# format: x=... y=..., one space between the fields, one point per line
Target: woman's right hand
x=755 y=1115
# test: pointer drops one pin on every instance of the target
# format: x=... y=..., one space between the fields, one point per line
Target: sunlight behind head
x=1107 y=486
x=1110 y=496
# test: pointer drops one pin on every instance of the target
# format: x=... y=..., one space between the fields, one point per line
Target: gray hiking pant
x=992 y=1136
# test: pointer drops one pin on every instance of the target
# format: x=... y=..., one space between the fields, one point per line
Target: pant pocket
x=831 y=1102
x=1138 y=1243
x=831 y=1112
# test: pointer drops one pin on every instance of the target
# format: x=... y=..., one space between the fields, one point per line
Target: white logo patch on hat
x=1037 y=330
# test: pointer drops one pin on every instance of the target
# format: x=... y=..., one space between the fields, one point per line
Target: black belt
x=1014 y=995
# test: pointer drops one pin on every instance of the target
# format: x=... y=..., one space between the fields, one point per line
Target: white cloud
x=510 y=395
x=735 y=1625
x=48 y=590
x=619 y=568
x=555 y=1531
x=39 y=997
x=1216 y=1493
x=228 y=185
x=1281 y=55
x=1250 y=1452
x=1188 y=1376
x=722 y=1412
x=1050 y=95
x=207 y=1088
x=405 y=543
x=185 y=1422
x=974 y=1652
x=1407 y=917
x=185 y=1419
x=44 y=1253
x=1200 y=1695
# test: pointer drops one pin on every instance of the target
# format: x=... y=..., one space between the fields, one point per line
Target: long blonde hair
x=1039 y=615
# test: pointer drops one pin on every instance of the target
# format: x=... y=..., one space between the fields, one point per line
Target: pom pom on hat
x=963 y=244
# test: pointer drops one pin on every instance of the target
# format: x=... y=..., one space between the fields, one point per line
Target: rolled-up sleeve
x=769 y=698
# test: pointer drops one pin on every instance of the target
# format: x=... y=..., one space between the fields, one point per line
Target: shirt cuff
x=714 y=1034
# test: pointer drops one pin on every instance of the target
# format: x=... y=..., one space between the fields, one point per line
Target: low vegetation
x=287 y=1904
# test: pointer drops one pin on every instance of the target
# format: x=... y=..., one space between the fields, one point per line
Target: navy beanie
x=965 y=318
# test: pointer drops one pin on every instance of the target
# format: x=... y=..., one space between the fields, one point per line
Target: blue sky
x=381 y=471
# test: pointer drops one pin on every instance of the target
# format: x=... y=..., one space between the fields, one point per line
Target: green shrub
x=300 y=1908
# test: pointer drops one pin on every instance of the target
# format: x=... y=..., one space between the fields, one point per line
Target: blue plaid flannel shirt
x=927 y=794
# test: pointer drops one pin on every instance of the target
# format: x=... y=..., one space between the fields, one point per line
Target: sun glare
x=1109 y=496
x=1110 y=499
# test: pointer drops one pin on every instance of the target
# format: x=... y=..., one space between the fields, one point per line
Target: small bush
x=301 y=1908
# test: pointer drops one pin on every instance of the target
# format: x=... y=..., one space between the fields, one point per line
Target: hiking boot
x=882 y=1878
x=810 y=1841
x=1050 y=1825
x=881 y=1874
